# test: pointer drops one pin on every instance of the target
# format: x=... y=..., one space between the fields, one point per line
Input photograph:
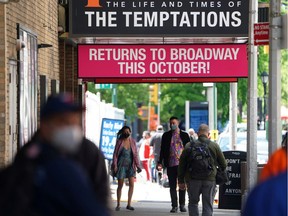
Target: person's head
x=124 y=132
x=60 y=123
x=146 y=135
x=159 y=128
x=191 y=132
x=203 y=130
x=174 y=123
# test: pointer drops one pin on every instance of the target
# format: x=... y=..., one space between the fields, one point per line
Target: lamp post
x=264 y=79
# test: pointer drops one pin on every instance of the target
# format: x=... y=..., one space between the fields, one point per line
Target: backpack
x=199 y=164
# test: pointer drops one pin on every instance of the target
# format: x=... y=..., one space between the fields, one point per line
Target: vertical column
x=233 y=115
x=274 y=99
x=252 y=101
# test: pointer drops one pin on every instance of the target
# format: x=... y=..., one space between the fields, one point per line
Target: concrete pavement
x=150 y=199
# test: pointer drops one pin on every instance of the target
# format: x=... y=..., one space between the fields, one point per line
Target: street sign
x=103 y=86
x=261 y=33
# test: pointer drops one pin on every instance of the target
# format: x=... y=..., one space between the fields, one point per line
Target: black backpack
x=200 y=165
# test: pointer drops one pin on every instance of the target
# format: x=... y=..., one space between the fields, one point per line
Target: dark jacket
x=218 y=159
x=92 y=160
x=165 y=145
x=41 y=181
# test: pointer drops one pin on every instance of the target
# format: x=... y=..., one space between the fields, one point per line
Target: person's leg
x=194 y=191
x=130 y=191
x=119 y=190
x=182 y=194
x=207 y=197
x=146 y=168
x=172 y=176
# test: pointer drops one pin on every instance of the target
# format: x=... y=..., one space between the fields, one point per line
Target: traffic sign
x=261 y=33
x=103 y=86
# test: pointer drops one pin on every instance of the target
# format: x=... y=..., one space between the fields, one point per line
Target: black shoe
x=174 y=210
x=117 y=208
x=130 y=208
x=183 y=209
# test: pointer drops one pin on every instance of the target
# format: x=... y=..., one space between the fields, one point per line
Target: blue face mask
x=173 y=127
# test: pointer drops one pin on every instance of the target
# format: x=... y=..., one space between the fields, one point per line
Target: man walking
x=172 y=145
x=198 y=178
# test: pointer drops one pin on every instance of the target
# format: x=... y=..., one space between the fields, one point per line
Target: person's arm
x=136 y=155
x=162 y=149
x=220 y=158
x=115 y=154
x=182 y=166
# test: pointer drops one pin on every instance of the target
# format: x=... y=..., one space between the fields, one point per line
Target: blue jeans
x=195 y=189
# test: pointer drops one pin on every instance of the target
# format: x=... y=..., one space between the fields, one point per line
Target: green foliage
x=128 y=95
x=173 y=97
x=284 y=77
x=223 y=90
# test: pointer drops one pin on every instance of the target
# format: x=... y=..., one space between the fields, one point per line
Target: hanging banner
x=162 y=61
x=108 y=137
x=159 y=18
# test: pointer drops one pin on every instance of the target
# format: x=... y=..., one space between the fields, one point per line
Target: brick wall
x=41 y=17
x=68 y=68
x=2 y=80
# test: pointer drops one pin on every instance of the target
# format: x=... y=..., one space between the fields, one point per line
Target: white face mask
x=67 y=139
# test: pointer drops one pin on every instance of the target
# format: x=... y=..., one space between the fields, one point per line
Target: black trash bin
x=230 y=193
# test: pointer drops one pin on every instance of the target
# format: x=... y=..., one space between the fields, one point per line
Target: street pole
x=159 y=103
x=149 y=109
x=265 y=105
x=215 y=105
x=114 y=95
x=233 y=115
x=211 y=108
x=252 y=102
x=274 y=99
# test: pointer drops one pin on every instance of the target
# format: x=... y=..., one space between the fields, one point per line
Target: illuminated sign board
x=162 y=61
x=159 y=18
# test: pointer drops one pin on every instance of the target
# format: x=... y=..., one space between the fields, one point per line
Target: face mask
x=126 y=135
x=173 y=127
x=67 y=139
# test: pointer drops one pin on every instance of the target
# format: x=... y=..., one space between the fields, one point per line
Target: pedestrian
x=155 y=142
x=91 y=159
x=268 y=198
x=125 y=163
x=192 y=134
x=197 y=168
x=172 y=145
x=42 y=180
x=277 y=163
x=144 y=153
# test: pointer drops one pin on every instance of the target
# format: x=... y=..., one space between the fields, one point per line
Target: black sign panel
x=191 y=18
x=230 y=193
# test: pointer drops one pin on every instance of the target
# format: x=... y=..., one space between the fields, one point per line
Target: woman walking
x=125 y=163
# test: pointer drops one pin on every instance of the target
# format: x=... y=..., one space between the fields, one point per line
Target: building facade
x=29 y=69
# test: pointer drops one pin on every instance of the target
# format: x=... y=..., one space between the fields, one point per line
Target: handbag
x=221 y=176
x=112 y=171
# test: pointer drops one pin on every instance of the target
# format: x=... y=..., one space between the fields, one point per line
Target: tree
x=128 y=95
x=173 y=97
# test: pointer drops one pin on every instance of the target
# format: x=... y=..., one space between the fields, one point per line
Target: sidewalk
x=152 y=199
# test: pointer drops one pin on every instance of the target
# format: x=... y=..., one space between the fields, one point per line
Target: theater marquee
x=159 y=18
x=162 y=61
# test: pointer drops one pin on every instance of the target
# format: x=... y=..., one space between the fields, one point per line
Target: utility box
x=230 y=194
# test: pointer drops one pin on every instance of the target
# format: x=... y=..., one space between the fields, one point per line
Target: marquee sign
x=193 y=18
x=162 y=61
